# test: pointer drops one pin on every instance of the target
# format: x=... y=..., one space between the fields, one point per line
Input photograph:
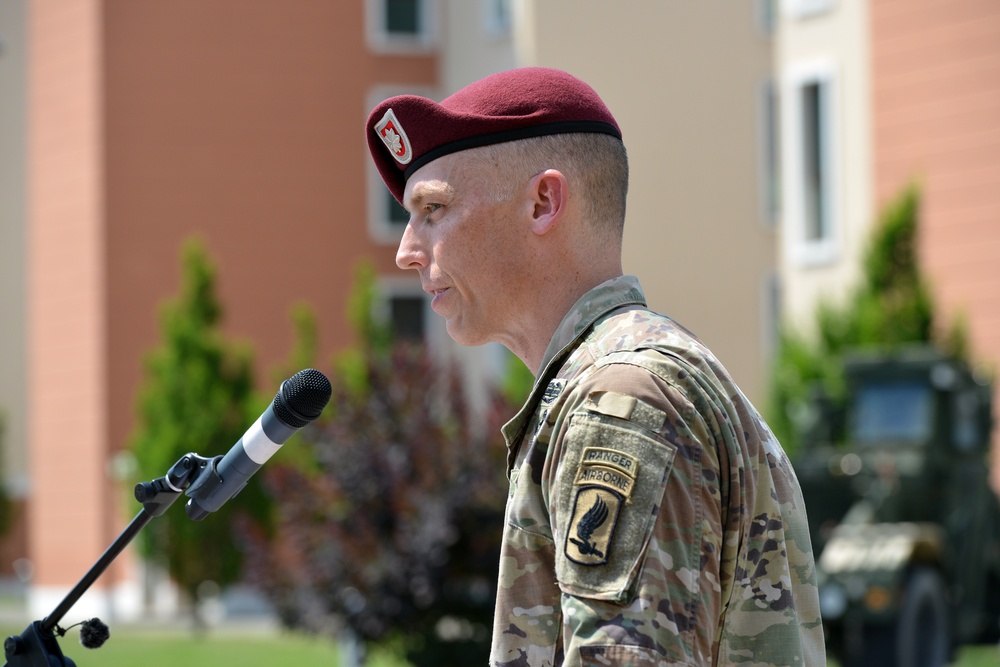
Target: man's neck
x=554 y=305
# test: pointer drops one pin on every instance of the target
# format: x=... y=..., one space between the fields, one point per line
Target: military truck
x=905 y=525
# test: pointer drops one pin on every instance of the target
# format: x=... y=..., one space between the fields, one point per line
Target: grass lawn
x=129 y=646
x=971 y=656
x=153 y=649
x=978 y=656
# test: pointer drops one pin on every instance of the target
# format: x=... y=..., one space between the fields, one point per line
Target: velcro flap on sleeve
x=609 y=487
x=625 y=407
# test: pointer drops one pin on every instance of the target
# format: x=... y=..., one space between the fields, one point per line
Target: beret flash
x=408 y=131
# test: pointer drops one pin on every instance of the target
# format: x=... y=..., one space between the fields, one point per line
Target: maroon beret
x=407 y=131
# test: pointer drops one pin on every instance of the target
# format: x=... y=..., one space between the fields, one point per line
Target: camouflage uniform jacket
x=653 y=519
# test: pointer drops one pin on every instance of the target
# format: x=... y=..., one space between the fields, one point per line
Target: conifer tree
x=197 y=397
x=890 y=307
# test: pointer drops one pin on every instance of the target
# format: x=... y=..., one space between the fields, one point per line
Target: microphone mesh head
x=302 y=398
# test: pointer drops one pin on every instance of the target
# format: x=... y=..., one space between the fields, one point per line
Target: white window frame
x=382 y=41
x=800 y=9
x=802 y=250
x=380 y=228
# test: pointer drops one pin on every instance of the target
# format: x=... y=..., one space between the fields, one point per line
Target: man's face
x=465 y=245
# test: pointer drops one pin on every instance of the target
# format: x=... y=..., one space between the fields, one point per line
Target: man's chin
x=464 y=337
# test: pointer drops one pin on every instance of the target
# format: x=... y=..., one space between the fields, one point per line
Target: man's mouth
x=437 y=294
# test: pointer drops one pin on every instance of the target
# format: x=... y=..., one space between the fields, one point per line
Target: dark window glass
x=772 y=180
x=407 y=317
x=893 y=412
x=814 y=162
x=397 y=214
x=402 y=17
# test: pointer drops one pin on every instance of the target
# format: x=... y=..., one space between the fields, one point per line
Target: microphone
x=300 y=399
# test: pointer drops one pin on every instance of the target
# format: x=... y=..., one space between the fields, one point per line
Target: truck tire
x=923 y=637
x=920 y=635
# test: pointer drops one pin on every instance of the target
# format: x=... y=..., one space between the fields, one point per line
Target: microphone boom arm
x=208 y=482
x=37 y=646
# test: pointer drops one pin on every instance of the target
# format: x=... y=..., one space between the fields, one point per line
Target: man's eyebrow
x=424 y=191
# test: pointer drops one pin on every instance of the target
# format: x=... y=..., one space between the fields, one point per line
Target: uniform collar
x=608 y=296
x=592 y=306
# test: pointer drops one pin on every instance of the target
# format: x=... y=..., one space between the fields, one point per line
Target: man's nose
x=410 y=254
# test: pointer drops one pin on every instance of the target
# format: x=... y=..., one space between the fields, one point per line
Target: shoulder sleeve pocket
x=608 y=489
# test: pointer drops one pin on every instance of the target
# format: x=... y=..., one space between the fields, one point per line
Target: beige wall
x=473 y=45
x=13 y=125
x=836 y=40
x=682 y=79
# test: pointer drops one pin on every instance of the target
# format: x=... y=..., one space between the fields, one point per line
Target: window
x=386 y=217
x=770 y=183
x=893 y=412
x=402 y=17
x=771 y=307
x=400 y=26
x=403 y=307
x=800 y=9
x=810 y=163
x=407 y=317
x=396 y=214
x=497 y=16
x=766 y=16
x=814 y=193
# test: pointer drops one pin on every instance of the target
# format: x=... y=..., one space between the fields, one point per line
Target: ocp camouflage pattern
x=653 y=519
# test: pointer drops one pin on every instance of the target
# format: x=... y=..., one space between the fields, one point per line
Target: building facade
x=879 y=96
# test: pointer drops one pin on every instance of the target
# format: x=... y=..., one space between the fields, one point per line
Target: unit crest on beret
x=394 y=137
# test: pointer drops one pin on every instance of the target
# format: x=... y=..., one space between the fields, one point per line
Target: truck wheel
x=922 y=633
x=919 y=637
x=991 y=611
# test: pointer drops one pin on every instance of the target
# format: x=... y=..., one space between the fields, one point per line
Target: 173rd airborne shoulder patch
x=603 y=483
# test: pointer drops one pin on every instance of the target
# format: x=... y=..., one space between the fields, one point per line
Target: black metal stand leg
x=37 y=645
x=97 y=569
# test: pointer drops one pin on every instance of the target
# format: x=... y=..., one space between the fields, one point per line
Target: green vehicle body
x=904 y=522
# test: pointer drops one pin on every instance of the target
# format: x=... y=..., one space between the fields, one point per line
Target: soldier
x=653 y=519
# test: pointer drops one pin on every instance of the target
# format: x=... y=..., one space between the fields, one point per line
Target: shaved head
x=595 y=165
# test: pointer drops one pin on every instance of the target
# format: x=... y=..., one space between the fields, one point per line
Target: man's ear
x=550 y=195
